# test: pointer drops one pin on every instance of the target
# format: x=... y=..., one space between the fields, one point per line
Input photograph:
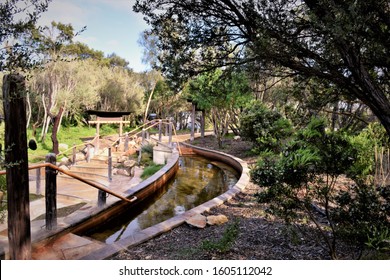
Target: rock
x=179 y=210
x=216 y=220
x=122 y=159
x=122 y=172
x=80 y=157
x=237 y=138
x=130 y=152
x=65 y=161
x=198 y=221
x=129 y=163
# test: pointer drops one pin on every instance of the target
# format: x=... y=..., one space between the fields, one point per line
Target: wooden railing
x=51 y=171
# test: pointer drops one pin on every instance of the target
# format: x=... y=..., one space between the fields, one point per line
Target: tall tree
x=345 y=43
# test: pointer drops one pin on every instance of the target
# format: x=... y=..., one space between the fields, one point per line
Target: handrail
x=79 y=145
x=154 y=123
x=137 y=128
x=42 y=165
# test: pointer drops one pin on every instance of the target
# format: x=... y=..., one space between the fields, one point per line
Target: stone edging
x=176 y=221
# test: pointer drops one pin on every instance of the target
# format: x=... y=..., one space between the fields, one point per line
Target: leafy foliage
x=343 y=44
x=222 y=94
x=17 y=22
x=304 y=174
x=266 y=128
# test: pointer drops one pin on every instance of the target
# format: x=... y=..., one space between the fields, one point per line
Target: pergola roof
x=108 y=114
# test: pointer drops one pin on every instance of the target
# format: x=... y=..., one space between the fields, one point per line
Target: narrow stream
x=197 y=181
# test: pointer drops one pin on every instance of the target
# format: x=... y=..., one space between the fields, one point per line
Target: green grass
x=150 y=170
x=67 y=135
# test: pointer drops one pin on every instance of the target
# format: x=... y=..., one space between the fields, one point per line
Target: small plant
x=379 y=239
x=226 y=242
x=150 y=170
x=147 y=149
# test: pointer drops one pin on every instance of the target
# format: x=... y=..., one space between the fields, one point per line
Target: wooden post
x=102 y=195
x=170 y=133
x=16 y=160
x=88 y=152
x=120 y=129
x=143 y=135
x=193 y=121
x=109 y=164
x=126 y=144
x=203 y=123
x=38 y=181
x=160 y=130
x=98 y=127
x=74 y=155
x=51 y=193
x=97 y=144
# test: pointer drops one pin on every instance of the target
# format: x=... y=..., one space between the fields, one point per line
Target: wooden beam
x=16 y=161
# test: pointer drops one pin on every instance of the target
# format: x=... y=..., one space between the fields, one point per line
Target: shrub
x=150 y=170
x=264 y=127
x=304 y=173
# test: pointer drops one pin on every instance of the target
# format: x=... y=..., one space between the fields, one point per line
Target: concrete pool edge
x=158 y=229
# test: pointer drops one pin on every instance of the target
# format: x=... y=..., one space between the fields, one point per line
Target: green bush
x=267 y=129
x=305 y=172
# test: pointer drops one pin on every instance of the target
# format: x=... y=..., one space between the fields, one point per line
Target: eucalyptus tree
x=341 y=43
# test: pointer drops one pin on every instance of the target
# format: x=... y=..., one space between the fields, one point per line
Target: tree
x=222 y=94
x=342 y=43
x=50 y=41
x=17 y=20
x=117 y=61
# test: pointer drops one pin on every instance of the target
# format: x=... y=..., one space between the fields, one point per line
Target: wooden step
x=67 y=247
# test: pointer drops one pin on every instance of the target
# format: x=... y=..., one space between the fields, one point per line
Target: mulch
x=249 y=234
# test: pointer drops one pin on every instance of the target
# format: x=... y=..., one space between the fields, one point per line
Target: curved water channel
x=197 y=181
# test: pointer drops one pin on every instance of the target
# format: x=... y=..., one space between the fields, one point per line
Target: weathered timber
x=16 y=161
x=51 y=193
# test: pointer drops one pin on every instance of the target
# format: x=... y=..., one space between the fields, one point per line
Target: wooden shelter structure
x=103 y=117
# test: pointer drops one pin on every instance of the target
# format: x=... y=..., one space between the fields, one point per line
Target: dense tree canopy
x=342 y=43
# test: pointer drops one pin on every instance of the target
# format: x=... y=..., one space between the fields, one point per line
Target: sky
x=111 y=26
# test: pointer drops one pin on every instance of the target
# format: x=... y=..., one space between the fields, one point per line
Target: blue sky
x=112 y=26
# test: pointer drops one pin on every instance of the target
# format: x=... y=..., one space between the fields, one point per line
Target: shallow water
x=197 y=181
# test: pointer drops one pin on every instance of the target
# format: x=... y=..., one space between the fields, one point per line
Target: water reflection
x=197 y=181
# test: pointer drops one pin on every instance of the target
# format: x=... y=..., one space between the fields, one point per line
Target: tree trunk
x=16 y=162
x=57 y=123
